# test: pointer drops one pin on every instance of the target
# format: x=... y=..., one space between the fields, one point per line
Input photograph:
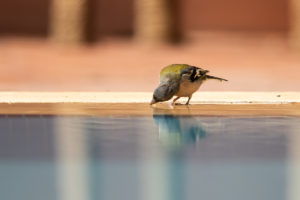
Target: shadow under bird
x=180 y=80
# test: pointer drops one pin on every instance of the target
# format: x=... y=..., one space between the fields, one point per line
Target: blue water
x=155 y=158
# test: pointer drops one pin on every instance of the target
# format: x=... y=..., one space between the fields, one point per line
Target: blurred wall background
x=116 y=17
x=240 y=40
x=24 y=17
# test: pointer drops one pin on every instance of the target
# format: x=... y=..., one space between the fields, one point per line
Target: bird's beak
x=152 y=102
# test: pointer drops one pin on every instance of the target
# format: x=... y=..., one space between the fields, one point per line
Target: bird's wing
x=172 y=71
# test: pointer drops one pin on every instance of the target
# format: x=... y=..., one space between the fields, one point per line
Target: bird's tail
x=214 y=77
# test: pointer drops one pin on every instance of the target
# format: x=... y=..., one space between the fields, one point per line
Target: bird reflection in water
x=175 y=131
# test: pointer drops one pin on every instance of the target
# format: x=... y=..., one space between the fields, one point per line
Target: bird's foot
x=171 y=105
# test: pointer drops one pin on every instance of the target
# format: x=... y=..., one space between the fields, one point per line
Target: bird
x=180 y=80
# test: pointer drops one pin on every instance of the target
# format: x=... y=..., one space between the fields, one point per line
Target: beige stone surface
x=145 y=97
x=144 y=109
x=137 y=104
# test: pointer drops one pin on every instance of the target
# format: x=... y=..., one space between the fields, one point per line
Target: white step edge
x=145 y=97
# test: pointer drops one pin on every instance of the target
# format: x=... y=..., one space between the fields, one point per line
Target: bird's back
x=172 y=71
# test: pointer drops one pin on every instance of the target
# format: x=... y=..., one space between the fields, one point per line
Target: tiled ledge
x=137 y=104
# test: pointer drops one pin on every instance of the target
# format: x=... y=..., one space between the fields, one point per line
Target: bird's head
x=158 y=96
x=165 y=91
x=154 y=100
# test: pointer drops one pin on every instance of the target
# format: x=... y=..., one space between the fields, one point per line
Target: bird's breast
x=187 y=88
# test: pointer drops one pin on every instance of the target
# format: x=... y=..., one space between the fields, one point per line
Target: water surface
x=160 y=157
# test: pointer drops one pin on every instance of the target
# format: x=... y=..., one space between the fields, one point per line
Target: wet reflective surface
x=160 y=157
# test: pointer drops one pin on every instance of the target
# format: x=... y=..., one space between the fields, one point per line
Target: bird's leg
x=188 y=101
x=173 y=103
